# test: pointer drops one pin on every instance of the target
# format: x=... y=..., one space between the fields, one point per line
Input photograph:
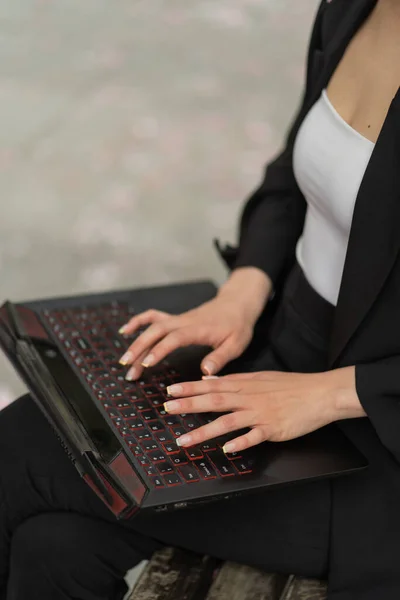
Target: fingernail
x=131 y=374
x=210 y=377
x=122 y=330
x=172 y=405
x=229 y=447
x=184 y=440
x=148 y=360
x=209 y=367
x=174 y=389
x=126 y=358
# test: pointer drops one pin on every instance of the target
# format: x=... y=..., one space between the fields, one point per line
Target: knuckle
x=229 y=421
x=176 y=338
x=217 y=400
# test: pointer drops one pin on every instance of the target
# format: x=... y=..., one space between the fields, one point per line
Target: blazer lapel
x=374 y=237
x=375 y=232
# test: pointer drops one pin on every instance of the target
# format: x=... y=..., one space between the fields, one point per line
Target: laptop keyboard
x=136 y=409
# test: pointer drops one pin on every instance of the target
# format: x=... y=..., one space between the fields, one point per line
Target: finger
x=144 y=318
x=146 y=341
x=177 y=338
x=221 y=426
x=261 y=375
x=203 y=386
x=136 y=369
x=216 y=360
x=252 y=438
x=216 y=402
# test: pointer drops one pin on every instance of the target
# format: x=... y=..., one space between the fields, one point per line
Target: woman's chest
x=329 y=162
x=367 y=78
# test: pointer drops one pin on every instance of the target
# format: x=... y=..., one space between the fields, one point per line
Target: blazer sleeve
x=273 y=216
x=378 y=389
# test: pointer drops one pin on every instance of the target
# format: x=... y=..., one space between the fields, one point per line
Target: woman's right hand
x=225 y=323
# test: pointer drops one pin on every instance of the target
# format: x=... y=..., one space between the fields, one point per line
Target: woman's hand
x=276 y=406
x=226 y=323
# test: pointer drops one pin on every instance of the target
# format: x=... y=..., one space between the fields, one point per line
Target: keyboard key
x=129 y=413
x=233 y=455
x=113 y=413
x=150 y=390
x=149 y=444
x=157 y=456
x=157 y=400
x=164 y=436
x=189 y=473
x=142 y=434
x=179 y=459
x=157 y=481
x=135 y=424
x=165 y=467
x=148 y=415
x=222 y=464
x=151 y=470
x=172 y=479
x=122 y=404
x=142 y=404
x=82 y=343
x=172 y=420
x=95 y=365
x=156 y=426
x=205 y=468
x=178 y=430
x=115 y=395
x=108 y=385
x=210 y=445
x=131 y=440
x=171 y=448
x=243 y=466
x=136 y=450
x=143 y=460
x=190 y=422
x=194 y=453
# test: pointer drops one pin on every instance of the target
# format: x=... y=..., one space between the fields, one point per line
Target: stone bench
x=176 y=575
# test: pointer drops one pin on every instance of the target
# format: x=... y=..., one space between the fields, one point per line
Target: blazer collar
x=375 y=232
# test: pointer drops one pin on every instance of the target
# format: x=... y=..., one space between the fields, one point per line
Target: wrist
x=249 y=287
x=345 y=401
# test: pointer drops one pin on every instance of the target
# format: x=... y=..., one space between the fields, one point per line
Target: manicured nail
x=126 y=358
x=209 y=367
x=122 y=330
x=210 y=377
x=172 y=405
x=184 y=440
x=174 y=389
x=229 y=447
x=148 y=360
x=131 y=374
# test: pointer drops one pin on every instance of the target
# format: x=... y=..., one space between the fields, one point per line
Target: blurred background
x=130 y=134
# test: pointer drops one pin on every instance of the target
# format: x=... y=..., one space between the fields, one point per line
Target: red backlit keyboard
x=136 y=409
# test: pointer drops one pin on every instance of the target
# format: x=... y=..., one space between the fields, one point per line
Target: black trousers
x=58 y=541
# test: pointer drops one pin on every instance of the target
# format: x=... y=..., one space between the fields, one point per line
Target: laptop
x=117 y=433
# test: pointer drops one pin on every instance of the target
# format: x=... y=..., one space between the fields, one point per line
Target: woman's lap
x=47 y=510
x=285 y=530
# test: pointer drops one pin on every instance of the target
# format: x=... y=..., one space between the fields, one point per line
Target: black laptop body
x=116 y=432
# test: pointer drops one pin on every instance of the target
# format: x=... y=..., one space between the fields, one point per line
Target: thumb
x=218 y=358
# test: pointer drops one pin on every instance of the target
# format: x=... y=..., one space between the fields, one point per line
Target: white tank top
x=329 y=162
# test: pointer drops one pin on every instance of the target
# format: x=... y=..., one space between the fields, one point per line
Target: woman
x=319 y=261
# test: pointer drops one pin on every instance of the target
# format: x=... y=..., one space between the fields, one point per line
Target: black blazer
x=365 y=542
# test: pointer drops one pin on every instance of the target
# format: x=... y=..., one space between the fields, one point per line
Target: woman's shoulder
x=332 y=14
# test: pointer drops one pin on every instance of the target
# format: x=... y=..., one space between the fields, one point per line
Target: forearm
x=344 y=399
x=251 y=287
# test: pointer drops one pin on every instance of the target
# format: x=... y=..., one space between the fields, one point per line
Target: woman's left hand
x=275 y=405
